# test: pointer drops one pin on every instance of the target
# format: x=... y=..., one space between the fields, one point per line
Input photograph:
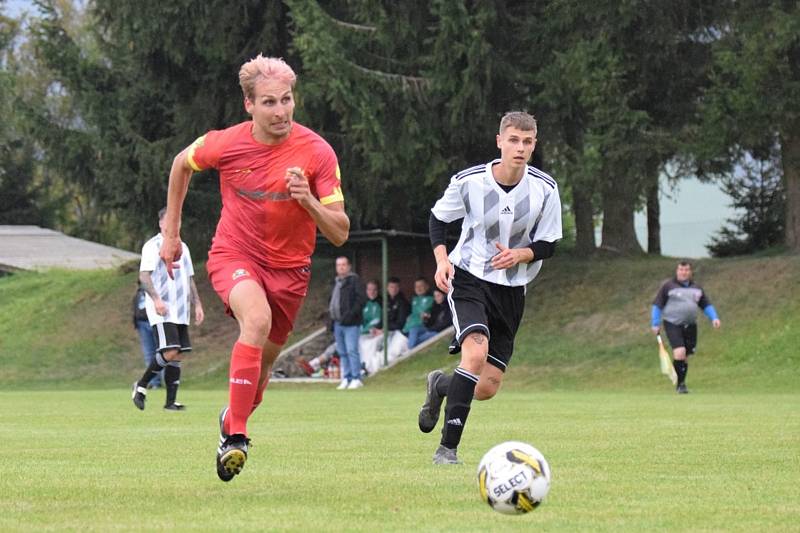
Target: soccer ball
x=513 y=478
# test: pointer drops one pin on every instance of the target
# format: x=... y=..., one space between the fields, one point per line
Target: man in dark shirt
x=397 y=306
x=676 y=305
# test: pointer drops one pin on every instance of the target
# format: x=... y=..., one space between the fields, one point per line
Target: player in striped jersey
x=168 y=304
x=511 y=220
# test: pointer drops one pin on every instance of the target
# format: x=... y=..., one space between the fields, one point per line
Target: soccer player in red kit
x=279 y=182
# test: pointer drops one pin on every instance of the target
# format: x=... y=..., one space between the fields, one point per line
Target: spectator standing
x=345 y=307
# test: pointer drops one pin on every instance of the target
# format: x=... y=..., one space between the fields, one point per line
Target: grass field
x=627 y=453
x=326 y=460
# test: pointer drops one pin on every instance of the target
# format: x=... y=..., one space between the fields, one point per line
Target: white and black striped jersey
x=176 y=293
x=529 y=212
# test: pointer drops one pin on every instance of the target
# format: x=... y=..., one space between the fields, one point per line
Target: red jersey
x=259 y=219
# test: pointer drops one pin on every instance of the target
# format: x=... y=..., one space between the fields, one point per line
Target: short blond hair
x=265 y=68
x=520 y=120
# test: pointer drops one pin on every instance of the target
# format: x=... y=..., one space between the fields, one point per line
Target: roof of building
x=35 y=248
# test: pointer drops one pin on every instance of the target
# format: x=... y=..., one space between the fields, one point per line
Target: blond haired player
x=279 y=183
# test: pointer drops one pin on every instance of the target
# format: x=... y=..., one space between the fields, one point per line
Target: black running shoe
x=139 y=394
x=681 y=389
x=429 y=414
x=231 y=456
x=175 y=407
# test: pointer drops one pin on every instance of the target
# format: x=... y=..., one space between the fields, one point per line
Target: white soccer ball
x=513 y=478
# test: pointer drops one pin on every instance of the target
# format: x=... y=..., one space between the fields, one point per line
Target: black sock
x=443 y=384
x=156 y=365
x=172 y=378
x=681 y=368
x=459 y=398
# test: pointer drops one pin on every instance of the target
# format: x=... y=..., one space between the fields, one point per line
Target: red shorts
x=285 y=288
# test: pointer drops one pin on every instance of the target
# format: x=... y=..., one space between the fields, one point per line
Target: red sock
x=242 y=386
x=259 y=395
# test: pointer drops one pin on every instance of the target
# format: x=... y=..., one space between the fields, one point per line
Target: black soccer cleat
x=429 y=414
x=681 y=389
x=231 y=456
x=175 y=407
x=138 y=395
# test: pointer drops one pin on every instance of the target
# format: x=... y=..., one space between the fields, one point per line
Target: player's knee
x=472 y=362
x=256 y=326
x=485 y=392
x=172 y=355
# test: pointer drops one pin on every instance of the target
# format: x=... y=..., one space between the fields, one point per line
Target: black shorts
x=171 y=336
x=681 y=336
x=496 y=310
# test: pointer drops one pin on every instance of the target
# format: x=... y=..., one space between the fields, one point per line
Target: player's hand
x=170 y=252
x=508 y=257
x=297 y=185
x=199 y=315
x=716 y=323
x=655 y=329
x=444 y=275
x=161 y=307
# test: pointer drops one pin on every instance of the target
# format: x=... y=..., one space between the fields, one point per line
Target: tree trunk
x=790 y=157
x=619 y=235
x=584 y=221
x=653 y=223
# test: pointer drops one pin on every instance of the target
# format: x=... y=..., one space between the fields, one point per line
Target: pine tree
x=758 y=195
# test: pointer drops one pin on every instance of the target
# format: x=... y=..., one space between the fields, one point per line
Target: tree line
x=97 y=97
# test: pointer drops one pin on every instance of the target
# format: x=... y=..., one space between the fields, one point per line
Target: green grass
x=627 y=453
x=325 y=460
x=585 y=327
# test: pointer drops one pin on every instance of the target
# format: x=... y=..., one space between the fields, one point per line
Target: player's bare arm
x=509 y=257
x=331 y=219
x=199 y=315
x=444 y=268
x=179 y=177
x=146 y=281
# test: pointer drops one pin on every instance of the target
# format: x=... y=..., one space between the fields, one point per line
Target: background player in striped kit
x=676 y=303
x=511 y=221
x=168 y=302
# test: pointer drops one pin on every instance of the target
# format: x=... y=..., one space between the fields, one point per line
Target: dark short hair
x=344 y=257
x=162 y=212
x=374 y=282
x=421 y=278
x=685 y=263
x=394 y=279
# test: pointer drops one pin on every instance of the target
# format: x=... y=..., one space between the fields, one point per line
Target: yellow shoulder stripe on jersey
x=335 y=196
x=338 y=173
x=190 y=155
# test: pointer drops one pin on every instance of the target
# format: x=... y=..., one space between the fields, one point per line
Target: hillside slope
x=586 y=325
